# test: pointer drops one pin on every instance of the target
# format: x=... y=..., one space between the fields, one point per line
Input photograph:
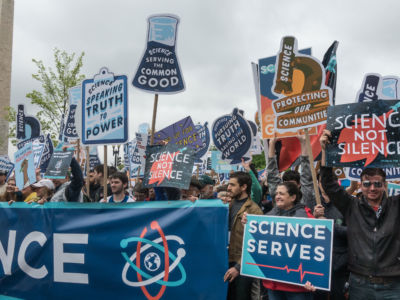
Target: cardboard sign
x=59 y=164
x=39 y=139
x=220 y=165
x=289 y=250
x=232 y=136
x=38 y=149
x=6 y=165
x=182 y=133
x=364 y=134
x=28 y=127
x=24 y=167
x=204 y=135
x=393 y=189
x=266 y=73
x=300 y=86
x=392 y=174
x=75 y=96
x=168 y=166
x=47 y=153
x=159 y=71
x=105 y=109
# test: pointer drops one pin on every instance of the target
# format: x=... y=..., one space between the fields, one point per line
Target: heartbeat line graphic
x=299 y=270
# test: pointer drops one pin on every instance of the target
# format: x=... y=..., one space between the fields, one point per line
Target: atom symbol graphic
x=152 y=261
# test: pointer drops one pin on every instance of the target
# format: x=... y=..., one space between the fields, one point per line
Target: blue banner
x=290 y=250
x=149 y=250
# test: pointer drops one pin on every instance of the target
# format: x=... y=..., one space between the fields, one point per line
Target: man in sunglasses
x=373 y=232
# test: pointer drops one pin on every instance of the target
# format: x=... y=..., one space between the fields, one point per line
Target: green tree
x=52 y=99
x=259 y=161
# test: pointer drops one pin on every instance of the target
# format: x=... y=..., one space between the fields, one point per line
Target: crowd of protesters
x=366 y=267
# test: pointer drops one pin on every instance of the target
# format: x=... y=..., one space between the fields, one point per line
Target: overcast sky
x=216 y=42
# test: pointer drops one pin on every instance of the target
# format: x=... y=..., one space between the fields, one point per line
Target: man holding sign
x=373 y=235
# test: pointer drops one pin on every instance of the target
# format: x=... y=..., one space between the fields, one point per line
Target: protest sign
x=6 y=165
x=37 y=149
x=152 y=250
x=59 y=164
x=299 y=83
x=392 y=174
x=28 y=127
x=289 y=250
x=75 y=97
x=38 y=139
x=267 y=74
x=159 y=71
x=232 y=136
x=24 y=167
x=204 y=136
x=105 y=109
x=168 y=166
x=135 y=160
x=181 y=133
x=364 y=134
x=220 y=165
x=47 y=153
x=393 y=189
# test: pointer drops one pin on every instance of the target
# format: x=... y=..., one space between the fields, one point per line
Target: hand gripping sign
x=159 y=70
x=105 y=109
x=300 y=85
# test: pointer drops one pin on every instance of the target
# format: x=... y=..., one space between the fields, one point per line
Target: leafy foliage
x=52 y=100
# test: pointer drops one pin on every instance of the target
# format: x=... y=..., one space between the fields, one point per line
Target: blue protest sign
x=181 y=133
x=393 y=189
x=354 y=173
x=105 y=109
x=220 y=165
x=39 y=139
x=28 y=127
x=370 y=88
x=6 y=165
x=204 y=136
x=24 y=167
x=141 y=250
x=232 y=136
x=47 y=153
x=37 y=149
x=159 y=70
x=290 y=250
x=75 y=96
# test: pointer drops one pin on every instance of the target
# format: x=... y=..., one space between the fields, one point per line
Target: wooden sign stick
x=153 y=122
x=87 y=171
x=105 y=173
x=313 y=174
x=137 y=175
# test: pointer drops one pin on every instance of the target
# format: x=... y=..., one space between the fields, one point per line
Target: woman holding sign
x=287 y=199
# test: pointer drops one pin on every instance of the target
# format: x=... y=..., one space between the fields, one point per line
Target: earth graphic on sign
x=152 y=261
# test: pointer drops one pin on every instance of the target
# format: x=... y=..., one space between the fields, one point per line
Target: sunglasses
x=367 y=183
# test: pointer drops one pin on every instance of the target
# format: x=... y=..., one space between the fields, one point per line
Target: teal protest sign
x=105 y=109
x=290 y=250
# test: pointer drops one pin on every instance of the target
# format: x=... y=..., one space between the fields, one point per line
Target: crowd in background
x=289 y=194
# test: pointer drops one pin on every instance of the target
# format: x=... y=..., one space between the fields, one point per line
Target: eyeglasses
x=367 y=183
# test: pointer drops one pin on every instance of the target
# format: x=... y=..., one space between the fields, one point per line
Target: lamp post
x=116 y=153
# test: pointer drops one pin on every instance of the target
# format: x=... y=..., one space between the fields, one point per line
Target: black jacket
x=374 y=243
